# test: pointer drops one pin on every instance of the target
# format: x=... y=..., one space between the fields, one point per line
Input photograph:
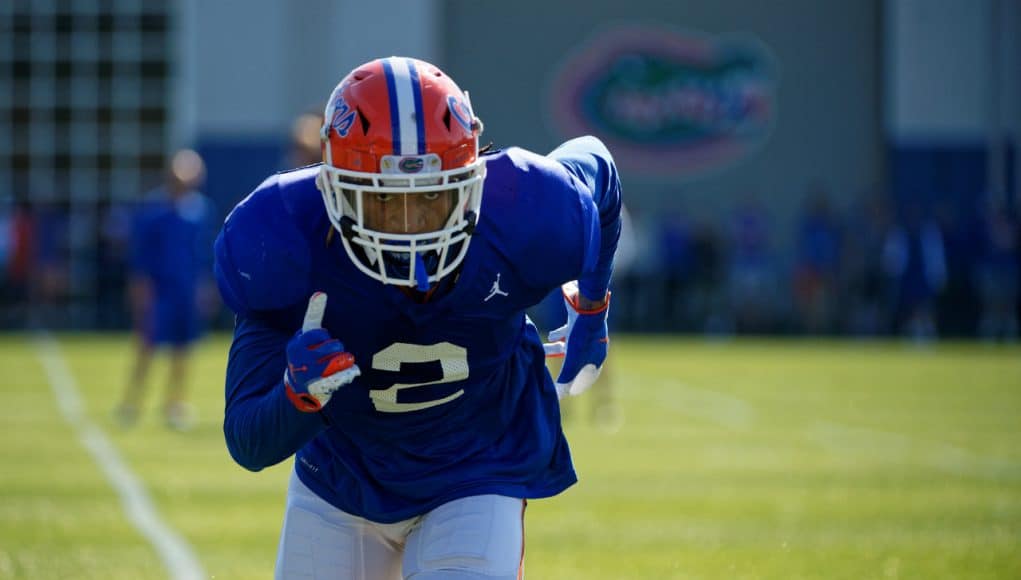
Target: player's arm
x=261 y=267
x=588 y=160
x=261 y=425
x=276 y=381
x=583 y=341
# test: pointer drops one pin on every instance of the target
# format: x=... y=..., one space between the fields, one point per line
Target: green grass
x=750 y=459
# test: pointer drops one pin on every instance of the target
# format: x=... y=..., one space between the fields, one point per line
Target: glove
x=582 y=342
x=316 y=363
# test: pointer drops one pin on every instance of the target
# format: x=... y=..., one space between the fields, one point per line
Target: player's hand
x=582 y=342
x=317 y=364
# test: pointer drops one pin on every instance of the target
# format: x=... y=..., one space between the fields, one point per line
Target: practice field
x=786 y=459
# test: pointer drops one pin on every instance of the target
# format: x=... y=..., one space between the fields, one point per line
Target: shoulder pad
x=262 y=254
x=549 y=245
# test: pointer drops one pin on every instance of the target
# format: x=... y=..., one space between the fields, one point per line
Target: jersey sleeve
x=261 y=258
x=262 y=266
x=547 y=212
x=260 y=425
x=588 y=160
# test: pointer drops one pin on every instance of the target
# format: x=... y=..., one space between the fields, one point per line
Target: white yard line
x=178 y=557
x=838 y=438
x=724 y=410
x=901 y=449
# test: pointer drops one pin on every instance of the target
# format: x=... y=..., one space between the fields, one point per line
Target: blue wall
x=946 y=174
x=238 y=165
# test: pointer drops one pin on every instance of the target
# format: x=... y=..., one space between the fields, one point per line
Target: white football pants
x=479 y=537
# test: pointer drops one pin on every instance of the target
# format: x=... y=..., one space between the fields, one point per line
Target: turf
x=744 y=459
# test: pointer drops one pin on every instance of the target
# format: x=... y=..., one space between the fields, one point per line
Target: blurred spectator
x=6 y=254
x=113 y=249
x=170 y=286
x=997 y=274
x=913 y=257
x=957 y=306
x=753 y=289
x=48 y=265
x=708 y=302
x=676 y=268
x=6 y=238
x=635 y=266
x=305 y=146
x=20 y=260
x=869 y=296
x=817 y=264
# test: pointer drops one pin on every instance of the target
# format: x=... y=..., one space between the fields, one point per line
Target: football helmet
x=395 y=128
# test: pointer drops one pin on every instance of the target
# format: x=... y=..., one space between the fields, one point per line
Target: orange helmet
x=400 y=126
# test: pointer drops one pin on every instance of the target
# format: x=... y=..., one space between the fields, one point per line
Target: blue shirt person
x=169 y=285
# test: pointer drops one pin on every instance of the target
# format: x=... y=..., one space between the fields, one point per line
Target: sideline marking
x=178 y=557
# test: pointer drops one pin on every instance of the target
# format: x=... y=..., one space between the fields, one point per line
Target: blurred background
x=789 y=167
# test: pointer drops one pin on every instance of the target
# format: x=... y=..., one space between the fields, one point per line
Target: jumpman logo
x=495 y=289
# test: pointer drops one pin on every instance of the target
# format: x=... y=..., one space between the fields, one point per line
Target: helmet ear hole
x=446 y=118
x=364 y=121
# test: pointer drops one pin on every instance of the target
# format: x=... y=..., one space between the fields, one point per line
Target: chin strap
x=421 y=274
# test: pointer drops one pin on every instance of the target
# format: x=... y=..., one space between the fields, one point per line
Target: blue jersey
x=454 y=398
x=170 y=245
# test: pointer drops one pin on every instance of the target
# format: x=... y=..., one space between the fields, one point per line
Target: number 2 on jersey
x=453 y=361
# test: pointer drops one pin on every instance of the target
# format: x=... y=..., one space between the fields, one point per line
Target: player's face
x=411 y=213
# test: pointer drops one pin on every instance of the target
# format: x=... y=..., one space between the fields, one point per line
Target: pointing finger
x=314 y=314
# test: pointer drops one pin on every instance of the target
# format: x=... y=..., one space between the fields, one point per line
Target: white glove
x=583 y=343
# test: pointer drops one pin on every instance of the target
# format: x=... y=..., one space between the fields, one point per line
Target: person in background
x=817 y=264
x=113 y=252
x=676 y=258
x=304 y=148
x=753 y=284
x=997 y=274
x=49 y=265
x=867 y=308
x=913 y=257
x=170 y=288
x=13 y=260
x=21 y=262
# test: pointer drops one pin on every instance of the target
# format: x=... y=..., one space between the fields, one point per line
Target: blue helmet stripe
x=395 y=119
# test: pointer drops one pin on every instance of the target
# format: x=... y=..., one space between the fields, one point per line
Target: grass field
x=735 y=460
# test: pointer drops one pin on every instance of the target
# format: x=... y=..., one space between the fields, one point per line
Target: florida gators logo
x=461 y=112
x=669 y=102
x=411 y=165
x=343 y=116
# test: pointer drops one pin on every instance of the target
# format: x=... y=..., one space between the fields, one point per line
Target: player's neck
x=417 y=296
x=436 y=291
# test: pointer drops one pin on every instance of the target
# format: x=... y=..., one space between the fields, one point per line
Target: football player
x=381 y=335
